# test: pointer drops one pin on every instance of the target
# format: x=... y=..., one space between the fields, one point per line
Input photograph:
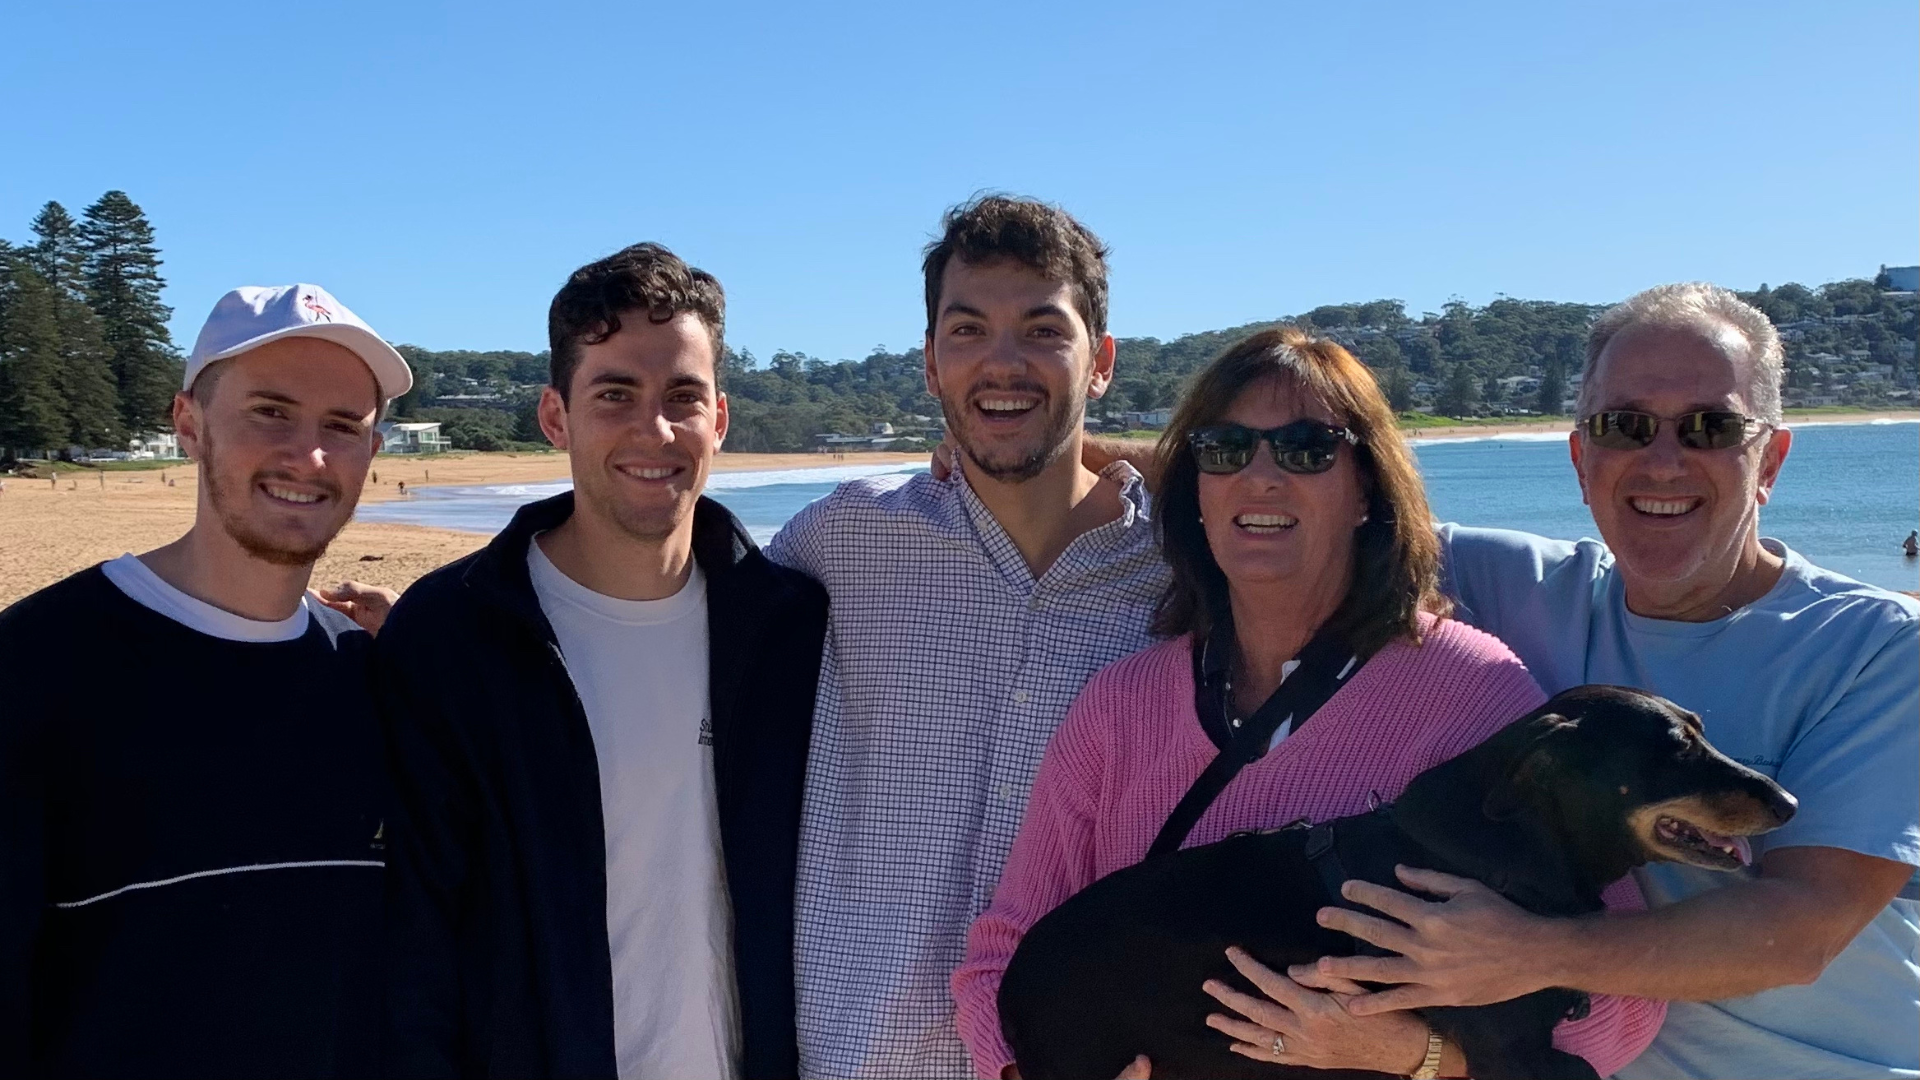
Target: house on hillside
x=413 y=438
x=1902 y=278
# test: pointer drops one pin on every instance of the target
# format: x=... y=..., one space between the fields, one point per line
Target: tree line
x=85 y=357
x=1506 y=356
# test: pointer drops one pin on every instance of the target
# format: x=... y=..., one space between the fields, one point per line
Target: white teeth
x=1265 y=523
x=285 y=495
x=1004 y=405
x=650 y=474
x=1663 y=507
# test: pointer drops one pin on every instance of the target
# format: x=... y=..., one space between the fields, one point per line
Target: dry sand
x=49 y=530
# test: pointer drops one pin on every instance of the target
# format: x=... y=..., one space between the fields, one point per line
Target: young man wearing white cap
x=190 y=781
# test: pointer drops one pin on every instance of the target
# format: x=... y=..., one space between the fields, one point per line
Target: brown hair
x=1396 y=556
x=1037 y=235
x=645 y=278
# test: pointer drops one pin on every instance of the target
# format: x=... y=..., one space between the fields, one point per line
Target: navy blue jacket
x=499 y=961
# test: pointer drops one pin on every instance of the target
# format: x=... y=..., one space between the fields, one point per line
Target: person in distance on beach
x=191 y=839
x=967 y=613
x=1802 y=966
x=598 y=728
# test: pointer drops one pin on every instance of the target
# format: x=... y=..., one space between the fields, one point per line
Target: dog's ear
x=1529 y=774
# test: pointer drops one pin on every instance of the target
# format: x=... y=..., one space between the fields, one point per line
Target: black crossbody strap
x=1325 y=666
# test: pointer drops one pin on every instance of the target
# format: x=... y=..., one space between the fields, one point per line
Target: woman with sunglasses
x=1293 y=518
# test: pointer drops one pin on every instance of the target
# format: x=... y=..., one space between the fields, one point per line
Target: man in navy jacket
x=598 y=728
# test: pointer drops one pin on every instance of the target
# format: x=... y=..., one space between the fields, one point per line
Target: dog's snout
x=1780 y=804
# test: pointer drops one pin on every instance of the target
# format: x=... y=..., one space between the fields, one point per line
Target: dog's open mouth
x=1700 y=846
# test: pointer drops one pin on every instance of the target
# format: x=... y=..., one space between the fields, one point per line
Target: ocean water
x=1848 y=496
x=763 y=500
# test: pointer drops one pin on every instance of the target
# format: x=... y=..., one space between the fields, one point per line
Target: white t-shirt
x=147 y=589
x=640 y=668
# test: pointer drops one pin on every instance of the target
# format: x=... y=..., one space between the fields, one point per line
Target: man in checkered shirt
x=966 y=615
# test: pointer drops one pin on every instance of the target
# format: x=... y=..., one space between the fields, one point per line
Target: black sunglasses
x=1709 y=429
x=1304 y=446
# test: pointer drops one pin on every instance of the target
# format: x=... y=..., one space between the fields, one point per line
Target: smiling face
x=1012 y=363
x=1271 y=529
x=641 y=423
x=284 y=435
x=1678 y=520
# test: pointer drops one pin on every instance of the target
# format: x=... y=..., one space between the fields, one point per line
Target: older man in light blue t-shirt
x=1803 y=965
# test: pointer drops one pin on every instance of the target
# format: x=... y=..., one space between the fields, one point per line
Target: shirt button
x=1006 y=792
x=1020 y=697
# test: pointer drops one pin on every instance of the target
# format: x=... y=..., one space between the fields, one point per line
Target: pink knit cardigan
x=1131 y=745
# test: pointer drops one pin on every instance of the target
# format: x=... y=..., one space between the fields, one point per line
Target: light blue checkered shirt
x=947 y=669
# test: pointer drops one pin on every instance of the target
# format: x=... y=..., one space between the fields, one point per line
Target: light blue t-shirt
x=1817 y=685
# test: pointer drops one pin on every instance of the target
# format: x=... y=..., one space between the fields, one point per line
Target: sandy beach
x=49 y=529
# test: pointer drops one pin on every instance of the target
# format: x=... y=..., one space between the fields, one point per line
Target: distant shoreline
x=464 y=468
x=48 y=531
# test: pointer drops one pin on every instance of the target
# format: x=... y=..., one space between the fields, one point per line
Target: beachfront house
x=158 y=446
x=1147 y=419
x=413 y=438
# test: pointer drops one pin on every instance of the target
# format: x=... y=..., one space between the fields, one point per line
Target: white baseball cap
x=252 y=315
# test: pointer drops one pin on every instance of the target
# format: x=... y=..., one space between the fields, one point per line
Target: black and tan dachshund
x=1548 y=812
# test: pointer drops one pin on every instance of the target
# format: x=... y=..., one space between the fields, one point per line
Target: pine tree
x=32 y=413
x=1553 y=386
x=123 y=286
x=1399 y=389
x=90 y=400
x=85 y=377
x=57 y=255
x=1460 y=394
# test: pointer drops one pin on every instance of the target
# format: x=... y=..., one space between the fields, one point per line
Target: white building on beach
x=413 y=438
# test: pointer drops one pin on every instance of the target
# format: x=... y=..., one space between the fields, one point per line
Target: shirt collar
x=1132 y=529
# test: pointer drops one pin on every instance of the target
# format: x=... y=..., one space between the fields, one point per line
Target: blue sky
x=441 y=167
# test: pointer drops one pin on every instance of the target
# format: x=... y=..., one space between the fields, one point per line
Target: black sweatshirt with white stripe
x=190 y=845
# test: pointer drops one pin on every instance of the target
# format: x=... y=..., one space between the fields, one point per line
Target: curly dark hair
x=1396 y=556
x=642 y=278
x=1037 y=235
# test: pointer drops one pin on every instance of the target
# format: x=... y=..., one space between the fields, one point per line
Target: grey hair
x=1695 y=304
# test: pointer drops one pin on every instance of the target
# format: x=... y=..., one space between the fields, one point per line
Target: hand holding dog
x=1308 y=1013
x=1459 y=950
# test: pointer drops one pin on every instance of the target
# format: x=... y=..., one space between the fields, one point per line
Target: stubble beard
x=233 y=520
x=1062 y=416
x=645 y=525
x=647 y=528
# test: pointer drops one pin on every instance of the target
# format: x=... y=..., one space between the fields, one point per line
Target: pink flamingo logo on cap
x=307 y=301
